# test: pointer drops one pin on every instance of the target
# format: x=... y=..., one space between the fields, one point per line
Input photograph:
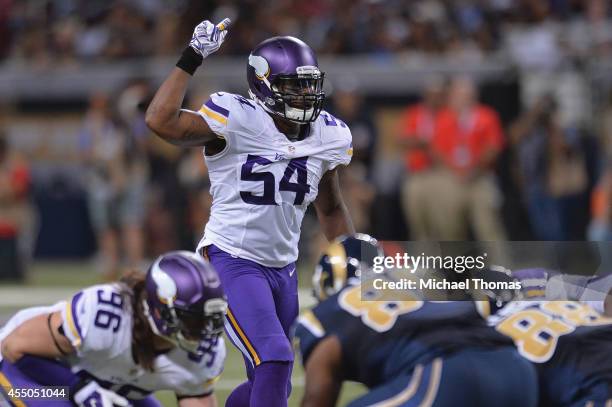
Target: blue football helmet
x=344 y=262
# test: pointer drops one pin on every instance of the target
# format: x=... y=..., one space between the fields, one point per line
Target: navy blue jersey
x=568 y=341
x=381 y=339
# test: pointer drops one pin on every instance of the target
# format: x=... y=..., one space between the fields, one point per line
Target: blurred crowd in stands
x=450 y=166
x=68 y=31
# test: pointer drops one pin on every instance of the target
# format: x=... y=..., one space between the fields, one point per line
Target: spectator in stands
x=468 y=140
x=553 y=170
x=590 y=34
x=5 y=32
x=416 y=131
x=600 y=228
x=348 y=105
x=194 y=180
x=115 y=187
x=15 y=211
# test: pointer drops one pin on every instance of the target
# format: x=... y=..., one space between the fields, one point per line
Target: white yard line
x=24 y=296
x=230 y=384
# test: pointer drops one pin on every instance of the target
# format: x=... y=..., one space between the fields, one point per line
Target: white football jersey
x=99 y=326
x=262 y=182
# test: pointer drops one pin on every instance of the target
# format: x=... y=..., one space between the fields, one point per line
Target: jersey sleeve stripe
x=212 y=381
x=5 y=386
x=243 y=337
x=73 y=323
x=214 y=107
x=213 y=115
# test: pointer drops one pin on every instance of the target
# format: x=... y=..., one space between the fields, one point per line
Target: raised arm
x=164 y=115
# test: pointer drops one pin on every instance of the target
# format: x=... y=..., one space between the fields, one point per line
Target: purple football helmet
x=284 y=78
x=185 y=302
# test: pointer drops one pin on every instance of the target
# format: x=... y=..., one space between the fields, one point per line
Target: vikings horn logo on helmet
x=261 y=66
x=166 y=287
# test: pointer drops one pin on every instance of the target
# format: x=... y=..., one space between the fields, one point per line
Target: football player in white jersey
x=115 y=344
x=268 y=158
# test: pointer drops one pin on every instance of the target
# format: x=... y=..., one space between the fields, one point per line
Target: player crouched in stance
x=115 y=344
x=408 y=353
x=569 y=342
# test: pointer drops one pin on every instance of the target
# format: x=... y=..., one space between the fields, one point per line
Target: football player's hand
x=94 y=395
x=208 y=37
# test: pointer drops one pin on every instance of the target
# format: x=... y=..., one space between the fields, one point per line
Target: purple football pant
x=12 y=376
x=263 y=305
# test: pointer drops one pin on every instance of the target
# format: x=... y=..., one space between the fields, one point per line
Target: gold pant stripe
x=244 y=338
x=407 y=393
x=6 y=384
x=434 y=383
x=413 y=386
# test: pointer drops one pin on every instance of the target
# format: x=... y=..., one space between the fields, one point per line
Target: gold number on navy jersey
x=536 y=331
x=376 y=312
x=576 y=313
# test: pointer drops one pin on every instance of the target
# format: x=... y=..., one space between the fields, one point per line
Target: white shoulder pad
x=229 y=113
x=337 y=135
x=93 y=318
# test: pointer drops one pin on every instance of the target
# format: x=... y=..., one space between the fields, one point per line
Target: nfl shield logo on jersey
x=291 y=149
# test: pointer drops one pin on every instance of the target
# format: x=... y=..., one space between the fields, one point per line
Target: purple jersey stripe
x=212 y=106
x=75 y=299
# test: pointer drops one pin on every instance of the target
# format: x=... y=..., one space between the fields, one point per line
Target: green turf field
x=48 y=280
x=234 y=375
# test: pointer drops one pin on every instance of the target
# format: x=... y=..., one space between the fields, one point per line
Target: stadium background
x=71 y=69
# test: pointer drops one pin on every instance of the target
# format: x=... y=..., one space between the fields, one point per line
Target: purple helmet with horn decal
x=185 y=302
x=284 y=78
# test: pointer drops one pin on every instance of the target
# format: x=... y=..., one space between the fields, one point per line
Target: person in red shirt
x=15 y=212
x=416 y=131
x=467 y=142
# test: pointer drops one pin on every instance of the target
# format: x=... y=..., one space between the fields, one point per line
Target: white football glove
x=207 y=37
x=94 y=395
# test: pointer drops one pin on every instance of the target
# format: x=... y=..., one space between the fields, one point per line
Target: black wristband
x=189 y=60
